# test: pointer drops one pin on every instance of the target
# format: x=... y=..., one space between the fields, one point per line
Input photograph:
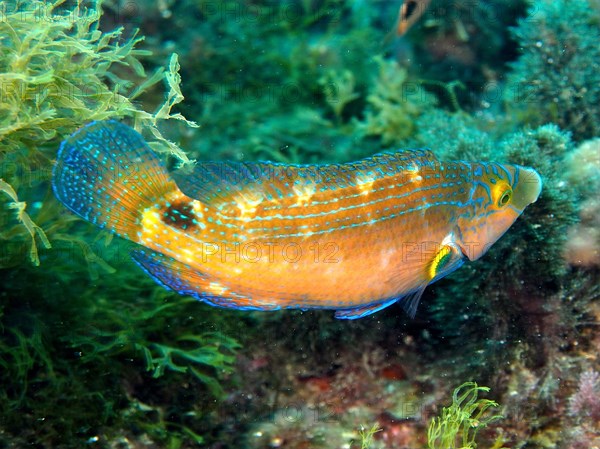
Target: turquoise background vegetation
x=95 y=354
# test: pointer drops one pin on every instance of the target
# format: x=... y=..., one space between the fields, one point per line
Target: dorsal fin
x=219 y=182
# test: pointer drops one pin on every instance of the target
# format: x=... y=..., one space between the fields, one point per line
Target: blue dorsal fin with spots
x=218 y=182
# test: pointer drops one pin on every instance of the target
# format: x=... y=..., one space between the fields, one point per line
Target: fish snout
x=479 y=235
x=527 y=189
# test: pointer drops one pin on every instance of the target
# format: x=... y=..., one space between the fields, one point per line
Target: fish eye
x=505 y=197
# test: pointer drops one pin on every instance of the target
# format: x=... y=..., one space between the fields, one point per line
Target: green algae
x=305 y=107
x=504 y=288
x=58 y=71
x=367 y=434
x=556 y=79
x=394 y=104
x=84 y=363
x=72 y=361
x=23 y=217
x=458 y=425
x=93 y=352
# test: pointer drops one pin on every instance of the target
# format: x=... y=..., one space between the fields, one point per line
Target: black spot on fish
x=179 y=215
x=411 y=6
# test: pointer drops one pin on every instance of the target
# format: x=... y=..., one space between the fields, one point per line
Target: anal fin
x=183 y=279
x=355 y=313
x=409 y=303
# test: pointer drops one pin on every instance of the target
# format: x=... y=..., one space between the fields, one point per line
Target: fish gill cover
x=93 y=354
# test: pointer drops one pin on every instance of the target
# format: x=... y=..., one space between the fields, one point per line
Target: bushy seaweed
x=459 y=423
x=394 y=104
x=116 y=360
x=302 y=100
x=88 y=352
x=557 y=77
x=58 y=71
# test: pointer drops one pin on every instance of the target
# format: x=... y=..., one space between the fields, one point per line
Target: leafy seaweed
x=58 y=71
x=395 y=104
x=458 y=425
x=74 y=364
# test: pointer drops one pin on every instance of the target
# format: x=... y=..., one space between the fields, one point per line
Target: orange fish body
x=352 y=237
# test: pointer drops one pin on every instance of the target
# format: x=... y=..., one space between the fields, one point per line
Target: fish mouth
x=528 y=188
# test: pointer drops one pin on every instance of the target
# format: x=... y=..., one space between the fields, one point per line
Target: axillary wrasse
x=352 y=237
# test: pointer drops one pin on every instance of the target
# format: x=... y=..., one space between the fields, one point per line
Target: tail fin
x=106 y=173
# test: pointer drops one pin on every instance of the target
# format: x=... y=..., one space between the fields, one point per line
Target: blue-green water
x=93 y=353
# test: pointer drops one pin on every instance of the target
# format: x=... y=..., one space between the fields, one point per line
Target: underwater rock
x=583 y=173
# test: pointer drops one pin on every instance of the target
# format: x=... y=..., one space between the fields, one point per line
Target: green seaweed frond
x=195 y=352
x=59 y=71
x=339 y=88
x=158 y=422
x=459 y=423
x=174 y=97
x=449 y=88
x=366 y=435
x=395 y=103
x=26 y=221
x=21 y=354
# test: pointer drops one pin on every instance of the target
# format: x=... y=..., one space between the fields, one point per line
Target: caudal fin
x=106 y=173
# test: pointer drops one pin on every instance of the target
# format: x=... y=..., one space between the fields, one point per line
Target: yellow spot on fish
x=189 y=256
x=247 y=206
x=365 y=184
x=414 y=175
x=150 y=218
x=175 y=196
x=151 y=222
x=216 y=288
x=197 y=207
x=304 y=194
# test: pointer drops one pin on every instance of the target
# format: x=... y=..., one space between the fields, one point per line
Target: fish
x=410 y=12
x=352 y=237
